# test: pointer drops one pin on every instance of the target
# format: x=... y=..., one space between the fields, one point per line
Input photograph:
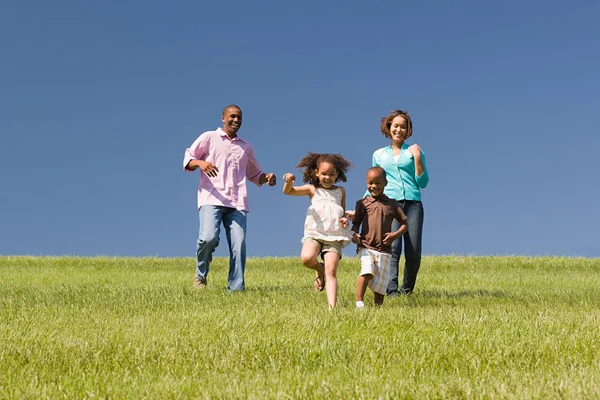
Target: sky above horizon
x=99 y=100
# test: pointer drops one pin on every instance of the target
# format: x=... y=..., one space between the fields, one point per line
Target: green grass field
x=476 y=327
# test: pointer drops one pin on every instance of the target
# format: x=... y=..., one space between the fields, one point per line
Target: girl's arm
x=344 y=220
x=290 y=190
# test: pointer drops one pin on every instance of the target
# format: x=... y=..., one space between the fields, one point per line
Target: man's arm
x=194 y=155
x=208 y=168
x=267 y=178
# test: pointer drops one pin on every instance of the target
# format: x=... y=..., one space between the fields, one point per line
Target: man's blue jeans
x=412 y=248
x=234 y=222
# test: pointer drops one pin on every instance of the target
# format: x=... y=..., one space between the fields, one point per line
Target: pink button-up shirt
x=235 y=161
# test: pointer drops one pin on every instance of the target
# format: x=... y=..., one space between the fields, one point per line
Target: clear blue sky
x=98 y=101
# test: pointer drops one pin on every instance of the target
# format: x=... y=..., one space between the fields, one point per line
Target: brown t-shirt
x=375 y=215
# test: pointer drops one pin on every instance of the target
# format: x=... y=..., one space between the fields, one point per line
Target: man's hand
x=208 y=168
x=271 y=179
x=355 y=238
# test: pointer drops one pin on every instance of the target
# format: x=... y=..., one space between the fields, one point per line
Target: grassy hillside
x=476 y=327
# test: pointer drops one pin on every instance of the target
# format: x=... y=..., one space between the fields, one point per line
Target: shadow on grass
x=277 y=288
x=446 y=294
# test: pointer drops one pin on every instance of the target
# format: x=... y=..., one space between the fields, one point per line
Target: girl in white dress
x=326 y=229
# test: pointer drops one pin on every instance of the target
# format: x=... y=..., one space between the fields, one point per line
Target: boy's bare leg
x=378 y=298
x=361 y=286
x=332 y=260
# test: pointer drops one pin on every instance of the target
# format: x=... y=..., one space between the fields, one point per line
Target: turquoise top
x=403 y=183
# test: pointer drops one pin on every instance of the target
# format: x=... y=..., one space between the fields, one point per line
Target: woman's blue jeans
x=412 y=248
x=234 y=222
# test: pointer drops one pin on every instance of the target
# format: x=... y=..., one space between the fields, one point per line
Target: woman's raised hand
x=415 y=150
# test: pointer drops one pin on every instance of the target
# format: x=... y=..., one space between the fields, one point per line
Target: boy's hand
x=388 y=238
x=350 y=215
x=355 y=238
x=289 y=178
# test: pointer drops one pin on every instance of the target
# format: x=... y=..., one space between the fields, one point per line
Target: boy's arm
x=290 y=190
x=389 y=237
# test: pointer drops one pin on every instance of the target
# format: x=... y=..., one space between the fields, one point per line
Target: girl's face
x=327 y=174
x=399 y=130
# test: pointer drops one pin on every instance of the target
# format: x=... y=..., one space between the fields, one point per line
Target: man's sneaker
x=199 y=283
x=360 y=305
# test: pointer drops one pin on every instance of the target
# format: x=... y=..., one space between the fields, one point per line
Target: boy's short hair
x=379 y=169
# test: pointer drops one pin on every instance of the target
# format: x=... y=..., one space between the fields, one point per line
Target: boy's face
x=376 y=182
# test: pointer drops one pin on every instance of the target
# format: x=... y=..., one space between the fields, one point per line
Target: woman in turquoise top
x=406 y=175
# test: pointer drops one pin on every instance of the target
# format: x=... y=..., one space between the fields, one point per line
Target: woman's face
x=399 y=130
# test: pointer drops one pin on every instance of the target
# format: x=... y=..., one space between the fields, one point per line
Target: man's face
x=376 y=182
x=232 y=120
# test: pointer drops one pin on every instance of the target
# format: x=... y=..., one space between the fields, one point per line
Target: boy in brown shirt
x=375 y=214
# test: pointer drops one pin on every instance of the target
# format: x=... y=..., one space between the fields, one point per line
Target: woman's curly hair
x=386 y=122
x=310 y=164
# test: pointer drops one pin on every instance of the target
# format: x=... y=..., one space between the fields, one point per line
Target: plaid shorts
x=373 y=262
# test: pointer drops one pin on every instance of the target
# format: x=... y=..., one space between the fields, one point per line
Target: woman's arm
x=421 y=174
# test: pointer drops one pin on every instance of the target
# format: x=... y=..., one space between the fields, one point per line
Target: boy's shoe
x=360 y=305
x=199 y=283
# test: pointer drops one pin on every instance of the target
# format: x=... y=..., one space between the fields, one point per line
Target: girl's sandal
x=319 y=282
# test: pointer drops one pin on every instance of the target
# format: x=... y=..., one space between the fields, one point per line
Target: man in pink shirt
x=225 y=160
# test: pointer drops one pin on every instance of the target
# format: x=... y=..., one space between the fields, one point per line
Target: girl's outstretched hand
x=344 y=222
x=289 y=178
x=350 y=215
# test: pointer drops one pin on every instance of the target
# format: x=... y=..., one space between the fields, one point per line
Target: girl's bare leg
x=308 y=256
x=332 y=260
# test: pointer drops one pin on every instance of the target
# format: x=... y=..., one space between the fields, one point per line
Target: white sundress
x=322 y=217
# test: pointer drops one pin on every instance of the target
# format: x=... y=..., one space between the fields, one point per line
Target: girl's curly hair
x=386 y=122
x=310 y=164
